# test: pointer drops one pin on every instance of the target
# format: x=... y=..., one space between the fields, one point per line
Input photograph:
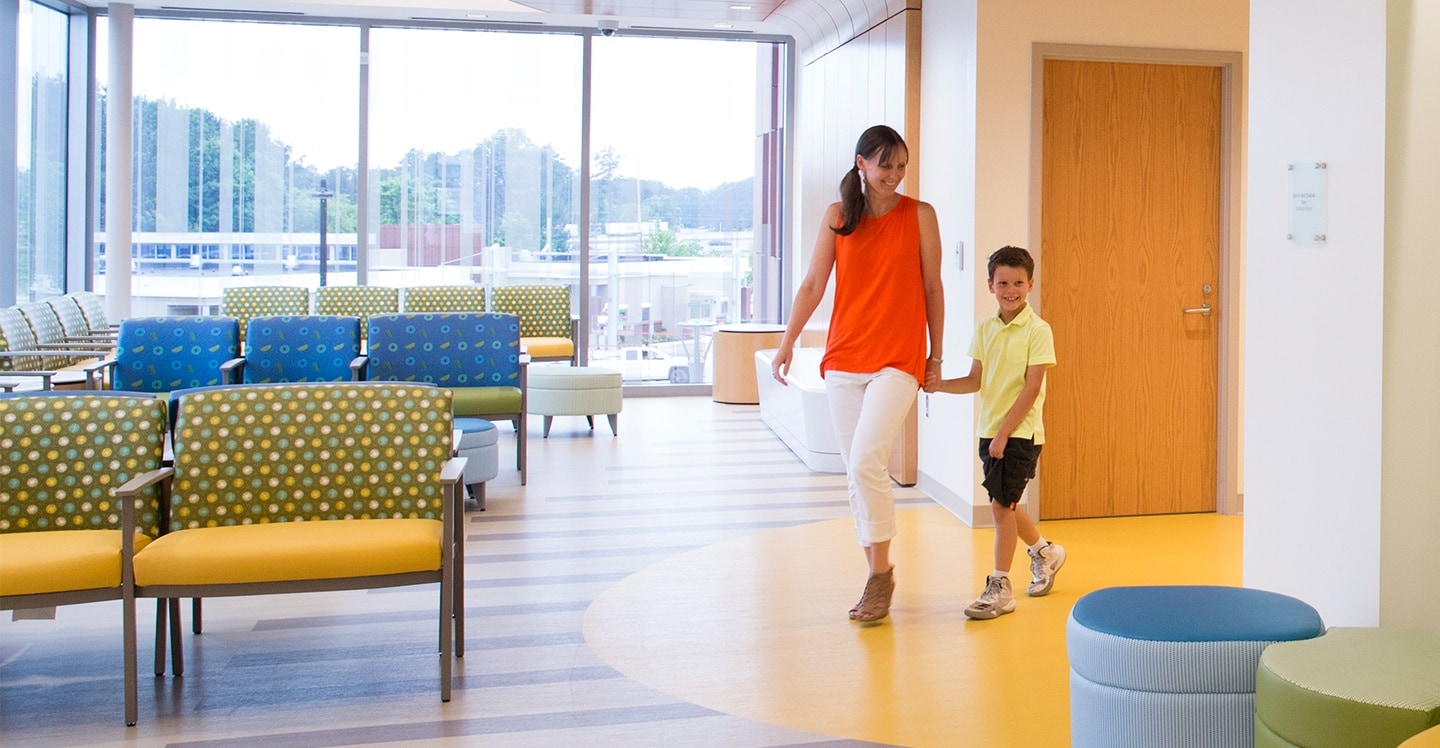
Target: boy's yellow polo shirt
x=1005 y=352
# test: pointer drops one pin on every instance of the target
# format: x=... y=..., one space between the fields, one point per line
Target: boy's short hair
x=1015 y=257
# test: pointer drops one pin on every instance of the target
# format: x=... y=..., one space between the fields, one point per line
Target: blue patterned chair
x=244 y=302
x=160 y=354
x=378 y=504
x=475 y=355
x=308 y=348
x=61 y=538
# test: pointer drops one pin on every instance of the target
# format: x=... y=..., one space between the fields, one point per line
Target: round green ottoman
x=1352 y=687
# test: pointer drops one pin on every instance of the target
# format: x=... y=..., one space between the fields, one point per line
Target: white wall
x=1410 y=436
x=1005 y=32
x=947 y=461
x=1314 y=315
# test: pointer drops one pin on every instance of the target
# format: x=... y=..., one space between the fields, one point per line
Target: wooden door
x=1130 y=232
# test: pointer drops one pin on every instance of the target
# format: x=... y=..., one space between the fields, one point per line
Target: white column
x=118 y=146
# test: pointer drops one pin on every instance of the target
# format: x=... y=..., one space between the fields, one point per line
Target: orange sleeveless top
x=878 y=318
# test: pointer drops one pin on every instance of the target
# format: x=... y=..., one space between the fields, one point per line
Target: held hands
x=932 y=375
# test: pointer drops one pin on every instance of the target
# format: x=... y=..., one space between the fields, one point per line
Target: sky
x=687 y=125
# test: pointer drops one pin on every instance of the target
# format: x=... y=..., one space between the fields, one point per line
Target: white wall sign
x=1307 y=203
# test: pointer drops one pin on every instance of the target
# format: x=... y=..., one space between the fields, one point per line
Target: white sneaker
x=994 y=602
x=1043 y=566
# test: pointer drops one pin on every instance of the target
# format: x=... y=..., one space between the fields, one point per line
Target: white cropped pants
x=867 y=410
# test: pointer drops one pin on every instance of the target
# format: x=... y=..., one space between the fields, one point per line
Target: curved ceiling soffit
x=820 y=26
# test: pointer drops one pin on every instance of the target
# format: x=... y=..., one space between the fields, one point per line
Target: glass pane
x=672 y=227
x=41 y=128
x=474 y=158
x=244 y=133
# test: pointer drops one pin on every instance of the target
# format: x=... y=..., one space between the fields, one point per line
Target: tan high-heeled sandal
x=874 y=602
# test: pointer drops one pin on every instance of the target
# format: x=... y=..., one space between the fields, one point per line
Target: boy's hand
x=997 y=446
x=932 y=378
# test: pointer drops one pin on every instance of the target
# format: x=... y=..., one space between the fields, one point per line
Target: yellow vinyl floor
x=756 y=626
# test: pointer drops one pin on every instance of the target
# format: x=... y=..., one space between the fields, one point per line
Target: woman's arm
x=810 y=292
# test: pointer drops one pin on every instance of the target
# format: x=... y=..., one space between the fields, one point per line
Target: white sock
x=1000 y=574
x=1041 y=543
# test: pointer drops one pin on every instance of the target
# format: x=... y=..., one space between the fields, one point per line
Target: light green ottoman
x=1351 y=688
x=574 y=391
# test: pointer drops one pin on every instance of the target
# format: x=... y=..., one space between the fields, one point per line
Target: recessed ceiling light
x=723 y=25
x=740 y=7
x=476 y=15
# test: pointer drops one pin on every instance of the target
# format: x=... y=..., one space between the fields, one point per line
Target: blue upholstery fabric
x=309 y=348
x=457 y=349
x=159 y=354
x=1197 y=613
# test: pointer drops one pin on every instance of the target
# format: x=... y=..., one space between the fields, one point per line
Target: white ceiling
x=816 y=25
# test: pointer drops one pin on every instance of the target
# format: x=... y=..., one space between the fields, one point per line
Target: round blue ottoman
x=477 y=440
x=1174 y=665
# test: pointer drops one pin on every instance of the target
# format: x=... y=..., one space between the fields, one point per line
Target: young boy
x=1011 y=352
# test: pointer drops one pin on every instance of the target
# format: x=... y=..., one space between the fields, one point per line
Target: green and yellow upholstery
x=63 y=455
x=475 y=355
x=50 y=336
x=16 y=336
x=357 y=301
x=430 y=299
x=72 y=321
x=92 y=305
x=245 y=302
x=548 y=331
x=307 y=487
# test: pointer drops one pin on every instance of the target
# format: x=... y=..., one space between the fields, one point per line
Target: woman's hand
x=780 y=365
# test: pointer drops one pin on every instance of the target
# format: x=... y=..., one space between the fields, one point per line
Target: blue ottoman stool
x=477 y=440
x=1174 y=665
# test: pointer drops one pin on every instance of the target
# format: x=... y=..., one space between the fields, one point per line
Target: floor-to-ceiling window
x=245 y=131
x=474 y=150
x=40 y=112
x=672 y=223
x=242 y=133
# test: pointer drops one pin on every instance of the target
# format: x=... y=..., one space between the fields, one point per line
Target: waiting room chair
x=477 y=356
x=160 y=354
x=61 y=541
x=73 y=324
x=92 y=305
x=23 y=358
x=548 y=332
x=244 y=302
x=431 y=299
x=357 y=301
x=305 y=348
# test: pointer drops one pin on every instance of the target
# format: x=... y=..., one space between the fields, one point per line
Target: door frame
x=1229 y=309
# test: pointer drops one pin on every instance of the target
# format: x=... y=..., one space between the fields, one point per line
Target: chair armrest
x=95 y=373
x=126 y=496
x=357 y=368
x=452 y=471
x=143 y=481
x=232 y=371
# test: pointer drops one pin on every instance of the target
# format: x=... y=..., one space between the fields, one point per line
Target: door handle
x=1202 y=309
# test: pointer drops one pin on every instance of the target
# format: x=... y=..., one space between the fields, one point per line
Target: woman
x=889 y=309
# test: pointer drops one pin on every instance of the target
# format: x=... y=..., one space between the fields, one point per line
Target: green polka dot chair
x=73 y=324
x=431 y=299
x=92 y=305
x=357 y=301
x=307 y=348
x=548 y=332
x=160 y=354
x=245 y=302
x=476 y=355
x=50 y=336
x=22 y=356
x=310 y=487
x=63 y=531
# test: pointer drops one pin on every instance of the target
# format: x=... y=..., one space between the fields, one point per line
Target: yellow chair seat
x=33 y=563
x=548 y=347
x=290 y=551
